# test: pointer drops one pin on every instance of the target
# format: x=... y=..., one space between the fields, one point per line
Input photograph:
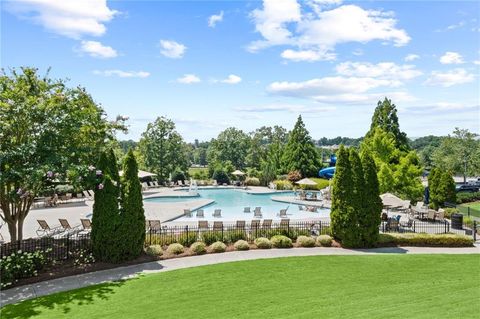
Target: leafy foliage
x=21 y=265
x=442 y=188
x=230 y=145
x=280 y=241
x=221 y=177
x=218 y=247
x=369 y=219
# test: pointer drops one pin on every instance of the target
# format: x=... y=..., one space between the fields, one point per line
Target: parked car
x=471 y=188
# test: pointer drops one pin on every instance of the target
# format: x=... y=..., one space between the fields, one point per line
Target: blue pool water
x=232 y=203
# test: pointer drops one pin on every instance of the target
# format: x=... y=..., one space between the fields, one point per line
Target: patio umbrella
x=238 y=173
x=306 y=181
x=388 y=199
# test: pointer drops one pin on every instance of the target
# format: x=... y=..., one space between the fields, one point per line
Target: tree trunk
x=12 y=229
x=20 y=228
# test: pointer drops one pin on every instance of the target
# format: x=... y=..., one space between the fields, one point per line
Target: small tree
x=370 y=220
x=442 y=188
x=105 y=219
x=132 y=226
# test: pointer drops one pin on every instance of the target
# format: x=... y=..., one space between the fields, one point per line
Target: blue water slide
x=327 y=172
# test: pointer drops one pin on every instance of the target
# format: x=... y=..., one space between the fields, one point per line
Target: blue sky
x=211 y=65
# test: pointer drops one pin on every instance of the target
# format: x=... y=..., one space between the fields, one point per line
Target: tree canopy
x=231 y=145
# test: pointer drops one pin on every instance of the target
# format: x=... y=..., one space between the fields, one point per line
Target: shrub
x=210 y=237
x=198 y=248
x=221 y=177
x=252 y=181
x=187 y=238
x=178 y=176
x=324 y=241
x=82 y=257
x=425 y=240
x=282 y=185
x=304 y=241
x=449 y=211
x=280 y=241
x=21 y=265
x=154 y=250
x=464 y=197
x=294 y=176
x=231 y=236
x=218 y=247
x=175 y=249
x=63 y=189
x=263 y=243
x=241 y=245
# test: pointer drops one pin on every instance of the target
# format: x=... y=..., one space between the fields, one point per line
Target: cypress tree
x=105 y=217
x=300 y=152
x=132 y=226
x=342 y=190
x=357 y=200
x=445 y=189
x=370 y=219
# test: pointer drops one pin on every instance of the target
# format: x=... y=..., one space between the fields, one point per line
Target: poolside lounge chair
x=217 y=226
x=217 y=213
x=202 y=224
x=46 y=230
x=284 y=223
x=255 y=223
x=187 y=212
x=67 y=228
x=440 y=215
x=155 y=225
x=257 y=213
x=86 y=224
x=240 y=224
x=200 y=213
x=246 y=210
x=392 y=225
x=214 y=183
x=283 y=213
x=301 y=207
x=431 y=214
x=180 y=183
x=267 y=223
x=408 y=224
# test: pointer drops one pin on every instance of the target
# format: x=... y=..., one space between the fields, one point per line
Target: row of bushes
x=425 y=240
x=21 y=265
x=463 y=197
x=277 y=241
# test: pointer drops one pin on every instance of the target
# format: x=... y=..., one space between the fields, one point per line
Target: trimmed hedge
x=252 y=181
x=304 y=241
x=241 y=245
x=263 y=243
x=154 y=250
x=198 y=248
x=324 y=241
x=280 y=241
x=425 y=240
x=218 y=247
x=175 y=249
x=464 y=197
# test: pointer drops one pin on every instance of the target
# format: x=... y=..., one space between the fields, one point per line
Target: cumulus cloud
x=384 y=70
x=411 y=57
x=123 y=74
x=172 y=49
x=214 y=19
x=189 y=79
x=97 y=50
x=451 y=58
x=450 y=78
x=232 y=79
x=322 y=31
x=73 y=19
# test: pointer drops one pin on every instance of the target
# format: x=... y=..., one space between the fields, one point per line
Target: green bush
x=280 y=241
x=187 y=238
x=198 y=248
x=82 y=257
x=449 y=211
x=64 y=189
x=218 y=247
x=162 y=240
x=282 y=185
x=324 y=241
x=241 y=245
x=221 y=177
x=425 y=240
x=231 y=236
x=252 y=181
x=263 y=243
x=21 y=265
x=210 y=237
x=464 y=197
x=175 y=249
x=294 y=176
x=178 y=176
x=304 y=241
x=154 y=250
x=321 y=184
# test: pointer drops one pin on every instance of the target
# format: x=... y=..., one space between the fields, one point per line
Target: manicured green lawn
x=474 y=211
x=381 y=286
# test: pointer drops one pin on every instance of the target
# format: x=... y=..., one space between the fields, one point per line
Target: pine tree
x=132 y=226
x=370 y=219
x=300 y=152
x=357 y=200
x=105 y=218
x=342 y=190
x=433 y=185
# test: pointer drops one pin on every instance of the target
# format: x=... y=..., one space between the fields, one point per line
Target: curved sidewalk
x=48 y=287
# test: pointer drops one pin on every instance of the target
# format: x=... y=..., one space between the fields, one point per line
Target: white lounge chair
x=283 y=213
x=187 y=212
x=257 y=213
x=217 y=213
x=200 y=213
x=246 y=210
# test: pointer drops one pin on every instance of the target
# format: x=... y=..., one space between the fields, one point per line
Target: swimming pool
x=232 y=202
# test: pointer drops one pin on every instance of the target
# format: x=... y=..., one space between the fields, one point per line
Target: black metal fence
x=465 y=210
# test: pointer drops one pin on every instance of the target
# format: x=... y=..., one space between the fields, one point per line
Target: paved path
x=17 y=294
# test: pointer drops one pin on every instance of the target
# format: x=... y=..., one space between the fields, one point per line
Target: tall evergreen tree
x=442 y=188
x=433 y=185
x=385 y=117
x=132 y=226
x=342 y=190
x=370 y=219
x=105 y=218
x=300 y=153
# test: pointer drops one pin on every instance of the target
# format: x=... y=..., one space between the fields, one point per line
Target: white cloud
x=411 y=57
x=68 y=18
x=97 y=49
x=383 y=70
x=452 y=27
x=323 y=31
x=232 y=79
x=477 y=62
x=123 y=74
x=284 y=108
x=450 y=78
x=214 y=19
x=451 y=58
x=189 y=79
x=307 y=55
x=172 y=49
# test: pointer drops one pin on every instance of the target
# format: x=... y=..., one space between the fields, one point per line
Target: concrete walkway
x=48 y=287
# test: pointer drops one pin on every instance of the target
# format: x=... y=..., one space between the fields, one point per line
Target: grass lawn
x=474 y=208
x=381 y=286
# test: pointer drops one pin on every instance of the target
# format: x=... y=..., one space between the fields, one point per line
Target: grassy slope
x=384 y=286
x=475 y=208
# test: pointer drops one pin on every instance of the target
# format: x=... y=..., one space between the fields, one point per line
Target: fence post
x=445 y=223
x=474 y=230
x=468 y=211
x=414 y=226
x=188 y=238
x=222 y=232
